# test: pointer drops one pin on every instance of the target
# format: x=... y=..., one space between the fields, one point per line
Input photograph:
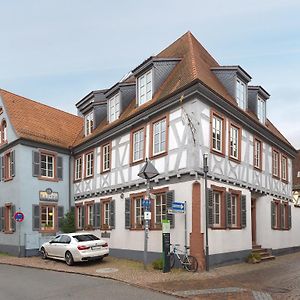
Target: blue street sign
x=178 y=207
x=146 y=203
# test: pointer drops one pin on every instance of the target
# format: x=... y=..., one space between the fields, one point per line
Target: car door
x=63 y=245
x=53 y=244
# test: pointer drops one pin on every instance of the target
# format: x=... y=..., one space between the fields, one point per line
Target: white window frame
x=49 y=166
x=89 y=164
x=257 y=154
x=48 y=208
x=138 y=141
x=160 y=208
x=106 y=157
x=138 y=212
x=217 y=208
x=275 y=163
x=159 y=137
x=79 y=217
x=90 y=215
x=78 y=168
x=89 y=123
x=217 y=130
x=241 y=94
x=114 y=108
x=284 y=167
x=106 y=213
x=261 y=110
x=234 y=210
x=145 y=87
x=234 y=142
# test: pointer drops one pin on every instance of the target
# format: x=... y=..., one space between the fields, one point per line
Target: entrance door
x=253 y=220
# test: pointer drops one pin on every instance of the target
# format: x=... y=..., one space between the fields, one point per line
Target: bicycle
x=188 y=262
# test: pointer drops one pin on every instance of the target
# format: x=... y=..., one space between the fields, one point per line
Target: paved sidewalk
x=278 y=279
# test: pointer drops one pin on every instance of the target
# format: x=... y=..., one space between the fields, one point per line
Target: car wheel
x=44 y=253
x=69 y=258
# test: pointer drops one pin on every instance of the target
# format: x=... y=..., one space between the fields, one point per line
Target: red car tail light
x=82 y=247
x=105 y=245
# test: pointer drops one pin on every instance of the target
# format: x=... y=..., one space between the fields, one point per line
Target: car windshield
x=85 y=237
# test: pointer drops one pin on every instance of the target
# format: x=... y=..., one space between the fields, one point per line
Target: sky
x=57 y=51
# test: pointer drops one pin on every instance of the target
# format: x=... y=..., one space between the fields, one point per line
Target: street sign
x=146 y=203
x=178 y=207
x=147 y=215
x=19 y=216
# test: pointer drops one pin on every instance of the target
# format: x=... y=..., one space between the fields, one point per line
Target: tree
x=68 y=222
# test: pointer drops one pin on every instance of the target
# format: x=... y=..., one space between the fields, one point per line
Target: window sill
x=218 y=228
x=105 y=228
x=217 y=153
x=257 y=169
x=77 y=180
x=9 y=231
x=236 y=160
x=47 y=231
x=285 y=181
x=155 y=156
x=106 y=171
x=8 y=179
x=48 y=179
x=275 y=177
x=134 y=163
x=88 y=177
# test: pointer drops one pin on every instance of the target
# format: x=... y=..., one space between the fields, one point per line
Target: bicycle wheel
x=172 y=260
x=190 y=263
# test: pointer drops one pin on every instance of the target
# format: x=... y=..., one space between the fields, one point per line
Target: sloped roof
x=195 y=64
x=38 y=122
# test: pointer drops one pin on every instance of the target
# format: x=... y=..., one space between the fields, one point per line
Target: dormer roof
x=260 y=90
x=238 y=69
x=88 y=101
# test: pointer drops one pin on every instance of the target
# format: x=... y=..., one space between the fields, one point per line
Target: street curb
x=96 y=276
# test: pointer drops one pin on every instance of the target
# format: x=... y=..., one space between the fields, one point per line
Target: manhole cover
x=107 y=270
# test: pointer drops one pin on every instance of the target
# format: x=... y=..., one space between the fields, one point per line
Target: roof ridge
x=39 y=103
x=191 y=46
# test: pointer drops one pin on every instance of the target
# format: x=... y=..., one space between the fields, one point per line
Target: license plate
x=96 y=248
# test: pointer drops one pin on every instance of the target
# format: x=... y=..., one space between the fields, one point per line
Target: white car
x=75 y=247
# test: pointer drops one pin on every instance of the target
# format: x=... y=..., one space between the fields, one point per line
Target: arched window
x=3 y=132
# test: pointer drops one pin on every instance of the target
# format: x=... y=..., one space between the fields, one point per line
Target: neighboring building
x=173 y=108
x=35 y=158
x=296 y=179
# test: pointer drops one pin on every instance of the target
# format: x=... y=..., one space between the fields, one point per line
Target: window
x=114 y=108
x=138 y=145
x=105 y=214
x=217 y=208
x=90 y=215
x=217 y=133
x=145 y=87
x=261 y=110
x=8 y=165
x=89 y=164
x=47 y=218
x=234 y=210
x=284 y=168
x=280 y=215
x=8 y=218
x=275 y=163
x=47 y=165
x=80 y=217
x=78 y=168
x=257 y=154
x=106 y=157
x=3 y=132
x=241 y=94
x=89 y=123
x=160 y=208
x=159 y=137
x=138 y=212
x=234 y=142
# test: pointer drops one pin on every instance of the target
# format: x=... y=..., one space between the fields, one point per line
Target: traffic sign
x=19 y=216
x=146 y=203
x=178 y=207
x=147 y=215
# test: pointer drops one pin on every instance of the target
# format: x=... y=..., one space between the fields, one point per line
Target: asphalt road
x=18 y=283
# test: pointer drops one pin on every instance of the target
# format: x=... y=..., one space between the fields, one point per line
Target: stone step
x=259 y=250
x=266 y=258
x=256 y=247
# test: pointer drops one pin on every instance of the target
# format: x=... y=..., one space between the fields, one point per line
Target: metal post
x=205 y=169
x=146 y=222
x=185 y=229
x=19 y=228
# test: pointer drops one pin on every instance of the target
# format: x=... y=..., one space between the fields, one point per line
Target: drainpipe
x=70 y=179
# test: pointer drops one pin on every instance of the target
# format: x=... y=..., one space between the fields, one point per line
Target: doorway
x=253 y=220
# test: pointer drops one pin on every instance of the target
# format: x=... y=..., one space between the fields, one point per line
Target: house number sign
x=48 y=195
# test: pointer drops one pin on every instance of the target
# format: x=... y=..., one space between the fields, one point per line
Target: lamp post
x=205 y=170
x=147 y=172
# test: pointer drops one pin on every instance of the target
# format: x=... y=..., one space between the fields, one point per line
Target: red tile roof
x=38 y=122
x=195 y=64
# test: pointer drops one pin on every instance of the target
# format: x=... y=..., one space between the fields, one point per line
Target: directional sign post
x=177 y=207
x=19 y=217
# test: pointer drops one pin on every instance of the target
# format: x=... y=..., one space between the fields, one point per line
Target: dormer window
x=114 y=108
x=145 y=87
x=261 y=110
x=3 y=132
x=89 y=123
x=241 y=94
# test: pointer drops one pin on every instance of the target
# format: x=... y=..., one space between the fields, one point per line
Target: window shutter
x=2 y=168
x=59 y=168
x=12 y=163
x=2 y=221
x=83 y=216
x=210 y=208
x=228 y=210
x=35 y=217
x=60 y=216
x=243 y=211
x=13 y=222
x=112 y=212
x=127 y=213
x=97 y=212
x=273 y=215
x=170 y=200
x=289 y=217
x=35 y=163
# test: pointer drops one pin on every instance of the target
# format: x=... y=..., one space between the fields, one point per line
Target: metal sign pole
x=185 y=228
x=19 y=228
x=146 y=227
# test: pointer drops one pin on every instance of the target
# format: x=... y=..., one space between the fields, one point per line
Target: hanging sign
x=48 y=195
